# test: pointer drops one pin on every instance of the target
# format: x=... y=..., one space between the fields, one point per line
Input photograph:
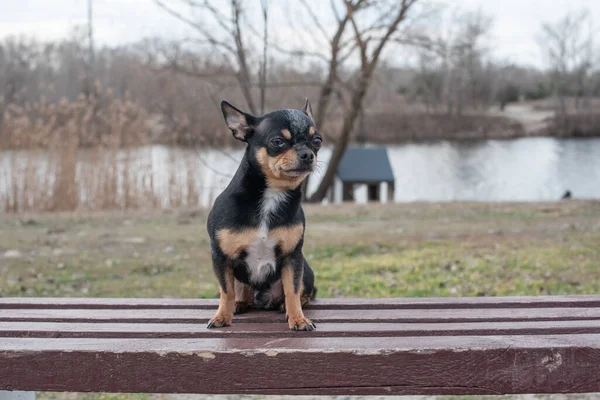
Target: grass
x=411 y=250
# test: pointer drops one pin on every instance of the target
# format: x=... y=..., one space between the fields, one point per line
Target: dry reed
x=83 y=154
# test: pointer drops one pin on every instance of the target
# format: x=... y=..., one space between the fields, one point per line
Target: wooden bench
x=361 y=346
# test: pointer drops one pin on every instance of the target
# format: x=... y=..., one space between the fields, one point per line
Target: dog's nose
x=306 y=156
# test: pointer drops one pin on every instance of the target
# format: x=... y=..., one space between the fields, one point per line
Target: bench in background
x=485 y=345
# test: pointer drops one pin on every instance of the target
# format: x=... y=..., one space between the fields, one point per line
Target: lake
x=527 y=169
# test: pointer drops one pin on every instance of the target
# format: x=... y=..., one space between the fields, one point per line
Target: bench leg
x=6 y=395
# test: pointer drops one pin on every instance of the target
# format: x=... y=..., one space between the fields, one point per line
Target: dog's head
x=283 y=144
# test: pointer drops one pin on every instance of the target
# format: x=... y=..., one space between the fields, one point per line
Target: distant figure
x=567 y=195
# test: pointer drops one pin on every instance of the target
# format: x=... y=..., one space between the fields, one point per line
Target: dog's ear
x=240 y=123
x=308 y=110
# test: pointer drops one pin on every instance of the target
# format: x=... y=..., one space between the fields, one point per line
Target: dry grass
x=450 y=249
x=71 y=178
x=581 y=124
x=422 y=126
x=84 y=155
x=56 y=173
x=100 y=119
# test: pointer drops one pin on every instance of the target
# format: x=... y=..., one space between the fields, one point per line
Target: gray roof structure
x=365 y=165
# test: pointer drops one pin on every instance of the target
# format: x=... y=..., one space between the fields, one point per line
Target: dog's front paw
x=300 y=323
x=220 y=320
x=241 y=307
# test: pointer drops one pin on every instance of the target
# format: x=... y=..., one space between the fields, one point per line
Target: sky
x=513 y=35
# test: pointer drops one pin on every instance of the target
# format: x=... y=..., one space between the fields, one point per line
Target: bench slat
x=293 y=344
x=323 y=303
x=376 y=315
x=368 y=329
x=403 y=365
x=372 y=346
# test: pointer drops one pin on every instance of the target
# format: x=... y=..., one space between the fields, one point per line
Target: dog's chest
x=260 y=257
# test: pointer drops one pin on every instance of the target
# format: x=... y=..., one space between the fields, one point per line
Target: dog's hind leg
x=309 y=291
x=244 y=297
x=292 y=289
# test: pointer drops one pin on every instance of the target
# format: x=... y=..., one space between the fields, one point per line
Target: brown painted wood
x=244 y=330
x=376 y=315
x=404 y=365
x=361 y=346
x=324 y=303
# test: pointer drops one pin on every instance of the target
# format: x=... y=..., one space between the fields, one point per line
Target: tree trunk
x=344 y=137
x=243 y=74
x=327 y=89
x=368 y=65
x=263 y=70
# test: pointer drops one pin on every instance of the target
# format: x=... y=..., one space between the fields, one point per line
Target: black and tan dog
x=256 y=226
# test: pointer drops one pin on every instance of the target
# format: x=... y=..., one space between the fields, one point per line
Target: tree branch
x=315 y=19
x=362 y=45
x=211 y=39
x=406 y=5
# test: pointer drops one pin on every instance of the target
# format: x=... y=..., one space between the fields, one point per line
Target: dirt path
x=533 y=120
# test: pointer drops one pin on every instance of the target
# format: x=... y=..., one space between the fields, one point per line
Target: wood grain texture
x=462 y=364
x=361 y=346
x=377 y=315
x=324 y=303
x=241 y=330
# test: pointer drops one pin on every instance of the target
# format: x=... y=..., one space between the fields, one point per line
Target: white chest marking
x=261 y=253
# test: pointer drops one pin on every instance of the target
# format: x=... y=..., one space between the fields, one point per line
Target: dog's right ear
x=240 y=123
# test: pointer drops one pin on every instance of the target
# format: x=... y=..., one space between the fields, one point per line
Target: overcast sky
x=516 y=22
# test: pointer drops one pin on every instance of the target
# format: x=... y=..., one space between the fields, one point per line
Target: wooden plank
x=402 y=365
x=395 y=315
x=322 y=303
x=368 y=329
x=102 y=303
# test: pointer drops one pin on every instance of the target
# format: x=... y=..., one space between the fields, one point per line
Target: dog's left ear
x=240 y=123
x=308 y=110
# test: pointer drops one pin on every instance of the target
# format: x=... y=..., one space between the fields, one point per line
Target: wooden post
x=383 y=192
x=338 y=191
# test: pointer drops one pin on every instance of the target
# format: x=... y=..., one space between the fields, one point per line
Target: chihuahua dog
x=256 y=226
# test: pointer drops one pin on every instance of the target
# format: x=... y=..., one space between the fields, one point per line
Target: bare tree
x=226 y=39
x=370 y=42
x=91 y=33
x=569 y=48
x=455 y=61
x=339 y=51
x=469 y=54
x=264 y=4
x=347 y=39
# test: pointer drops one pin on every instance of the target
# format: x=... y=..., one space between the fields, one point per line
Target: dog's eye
x=277 y=142
x=317 y=142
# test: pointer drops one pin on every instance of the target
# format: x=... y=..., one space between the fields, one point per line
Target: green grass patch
x=453 y=249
